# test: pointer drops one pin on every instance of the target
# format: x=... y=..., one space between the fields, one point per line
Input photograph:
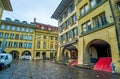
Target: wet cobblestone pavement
x=26 y=69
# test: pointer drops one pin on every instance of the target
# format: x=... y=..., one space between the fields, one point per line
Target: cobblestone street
x=26 y=69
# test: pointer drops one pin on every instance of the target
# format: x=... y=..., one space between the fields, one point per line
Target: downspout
x=117 y=36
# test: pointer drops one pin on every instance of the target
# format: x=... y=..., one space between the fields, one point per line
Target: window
x=1 y=34
x=7 y=27
x=63 y=37
x=13 y=28
x=17 y=36
x=0 y=43
x=10 y=44
x=20 y=45
x=51 y=37
x=68 y=22
x=26 y=37
x=96 y=22
x=18 y=29
x=21 y=37
x=103 y=19
x=38 y=44
x=11 y=36
x=118 y=6
x=62 y=26
x=31 y=30
x=30 y=45
x=25 y=45
x=44 y=45
x=84 y=9
x=51 y=46
x=2 y=27
x=27 y=30
x=15 y=44
x=69 y=34
x=39 y=36
x=6 y=35
x=22 y=29
x=74 y=18
x=30 y=37
x=44 y=36
x=56 y=38
x=84 y=28
x=93 y=2
x=89 y=25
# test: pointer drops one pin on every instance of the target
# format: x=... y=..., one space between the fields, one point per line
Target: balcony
x=96 y=28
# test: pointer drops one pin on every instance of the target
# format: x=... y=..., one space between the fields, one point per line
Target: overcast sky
x=27 y=10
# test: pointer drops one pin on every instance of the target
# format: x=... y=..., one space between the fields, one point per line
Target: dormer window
x=24 y=22
x=8 y=19
x=16 y=20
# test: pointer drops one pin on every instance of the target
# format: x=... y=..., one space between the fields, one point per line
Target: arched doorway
x=26 y=55
x=37 y=55
x=97 y=49
x=44 y=55
x=15 y=54
x=70 y=52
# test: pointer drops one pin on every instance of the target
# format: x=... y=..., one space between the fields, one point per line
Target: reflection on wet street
x=26 y=69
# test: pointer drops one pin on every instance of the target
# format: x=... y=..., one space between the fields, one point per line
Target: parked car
x=26 y=57
x=5 y=60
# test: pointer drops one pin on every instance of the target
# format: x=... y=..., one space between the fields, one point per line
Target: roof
x=63 y=5
x=45 y=26
x=7 y=5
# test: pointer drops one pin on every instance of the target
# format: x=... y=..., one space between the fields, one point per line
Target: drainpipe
x=115 y=23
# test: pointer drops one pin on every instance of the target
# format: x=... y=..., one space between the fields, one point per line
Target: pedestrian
x=113 y=67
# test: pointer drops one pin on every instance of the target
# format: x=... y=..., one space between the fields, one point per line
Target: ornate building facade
x=97 y=35
x=24 y=38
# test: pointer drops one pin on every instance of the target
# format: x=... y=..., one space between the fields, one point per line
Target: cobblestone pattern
x=26 y=69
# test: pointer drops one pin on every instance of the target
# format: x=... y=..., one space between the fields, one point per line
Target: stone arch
x=15 y=54
x=70 y=52
x=95 y=49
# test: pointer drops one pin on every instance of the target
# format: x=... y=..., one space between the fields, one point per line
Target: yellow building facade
x=22 y=39
x=97 y=35
x=68 y=30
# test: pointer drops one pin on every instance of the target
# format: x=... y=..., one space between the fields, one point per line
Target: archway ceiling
x=99 y=42
x=70 y=47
